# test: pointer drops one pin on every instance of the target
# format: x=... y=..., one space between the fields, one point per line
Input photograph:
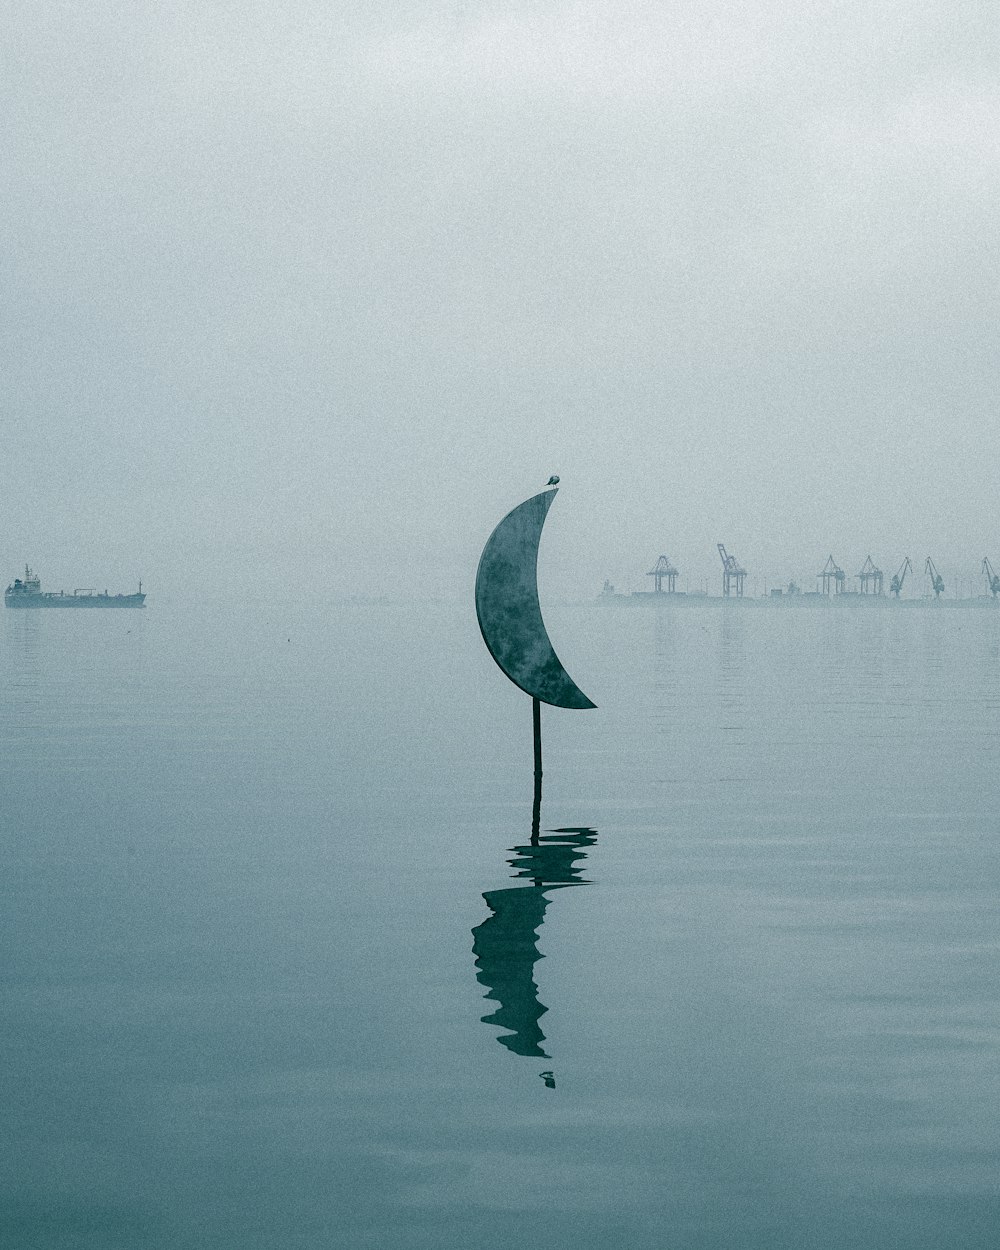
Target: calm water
x=266 y=873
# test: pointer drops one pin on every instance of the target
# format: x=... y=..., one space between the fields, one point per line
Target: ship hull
x=74 y=601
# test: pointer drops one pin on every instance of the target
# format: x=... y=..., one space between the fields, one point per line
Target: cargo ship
x=27 y=592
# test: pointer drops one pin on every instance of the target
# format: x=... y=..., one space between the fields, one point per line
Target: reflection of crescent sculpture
x=506 y=943
x=509 y=613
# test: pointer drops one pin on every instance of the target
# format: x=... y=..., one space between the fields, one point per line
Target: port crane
x=896 y=585
x=664 y=569
x=992 y=579
x=937 y=581
x=832 y=573
x=870 y=576
x=733 y=573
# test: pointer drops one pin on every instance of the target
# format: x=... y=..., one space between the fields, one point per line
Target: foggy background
x=294 y=291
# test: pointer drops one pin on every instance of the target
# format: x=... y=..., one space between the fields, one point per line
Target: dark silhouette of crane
x=896 y=585
x=992 y=579
x=733 y=573
x=870 y=578
x=937 y=581
x=832 y=575
x=664 y=569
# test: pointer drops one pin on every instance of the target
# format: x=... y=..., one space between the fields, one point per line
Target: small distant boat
x=27 y=592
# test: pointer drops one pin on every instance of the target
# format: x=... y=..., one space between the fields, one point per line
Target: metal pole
x=536 y=721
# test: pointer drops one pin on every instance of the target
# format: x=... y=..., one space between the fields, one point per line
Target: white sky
x=293 y=287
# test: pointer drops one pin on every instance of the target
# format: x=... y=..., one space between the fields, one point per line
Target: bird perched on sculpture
x=553 y=480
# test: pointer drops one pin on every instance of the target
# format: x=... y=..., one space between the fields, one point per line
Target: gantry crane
x=937 y=581
x=870 y=575
x=831 y=572
x=992 y=579
x=664 y=569
x=733 y=573
x=896 y=585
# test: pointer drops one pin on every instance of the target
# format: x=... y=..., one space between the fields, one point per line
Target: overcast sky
x=327 y=288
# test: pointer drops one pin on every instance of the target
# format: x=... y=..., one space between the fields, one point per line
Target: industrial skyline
x=831 y=581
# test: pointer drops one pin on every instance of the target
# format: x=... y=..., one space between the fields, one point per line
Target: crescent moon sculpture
x=510 y=616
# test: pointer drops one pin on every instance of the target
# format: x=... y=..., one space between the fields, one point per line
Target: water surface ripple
x=271 y=902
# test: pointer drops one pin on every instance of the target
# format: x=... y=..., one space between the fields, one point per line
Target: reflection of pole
x=536 y=720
